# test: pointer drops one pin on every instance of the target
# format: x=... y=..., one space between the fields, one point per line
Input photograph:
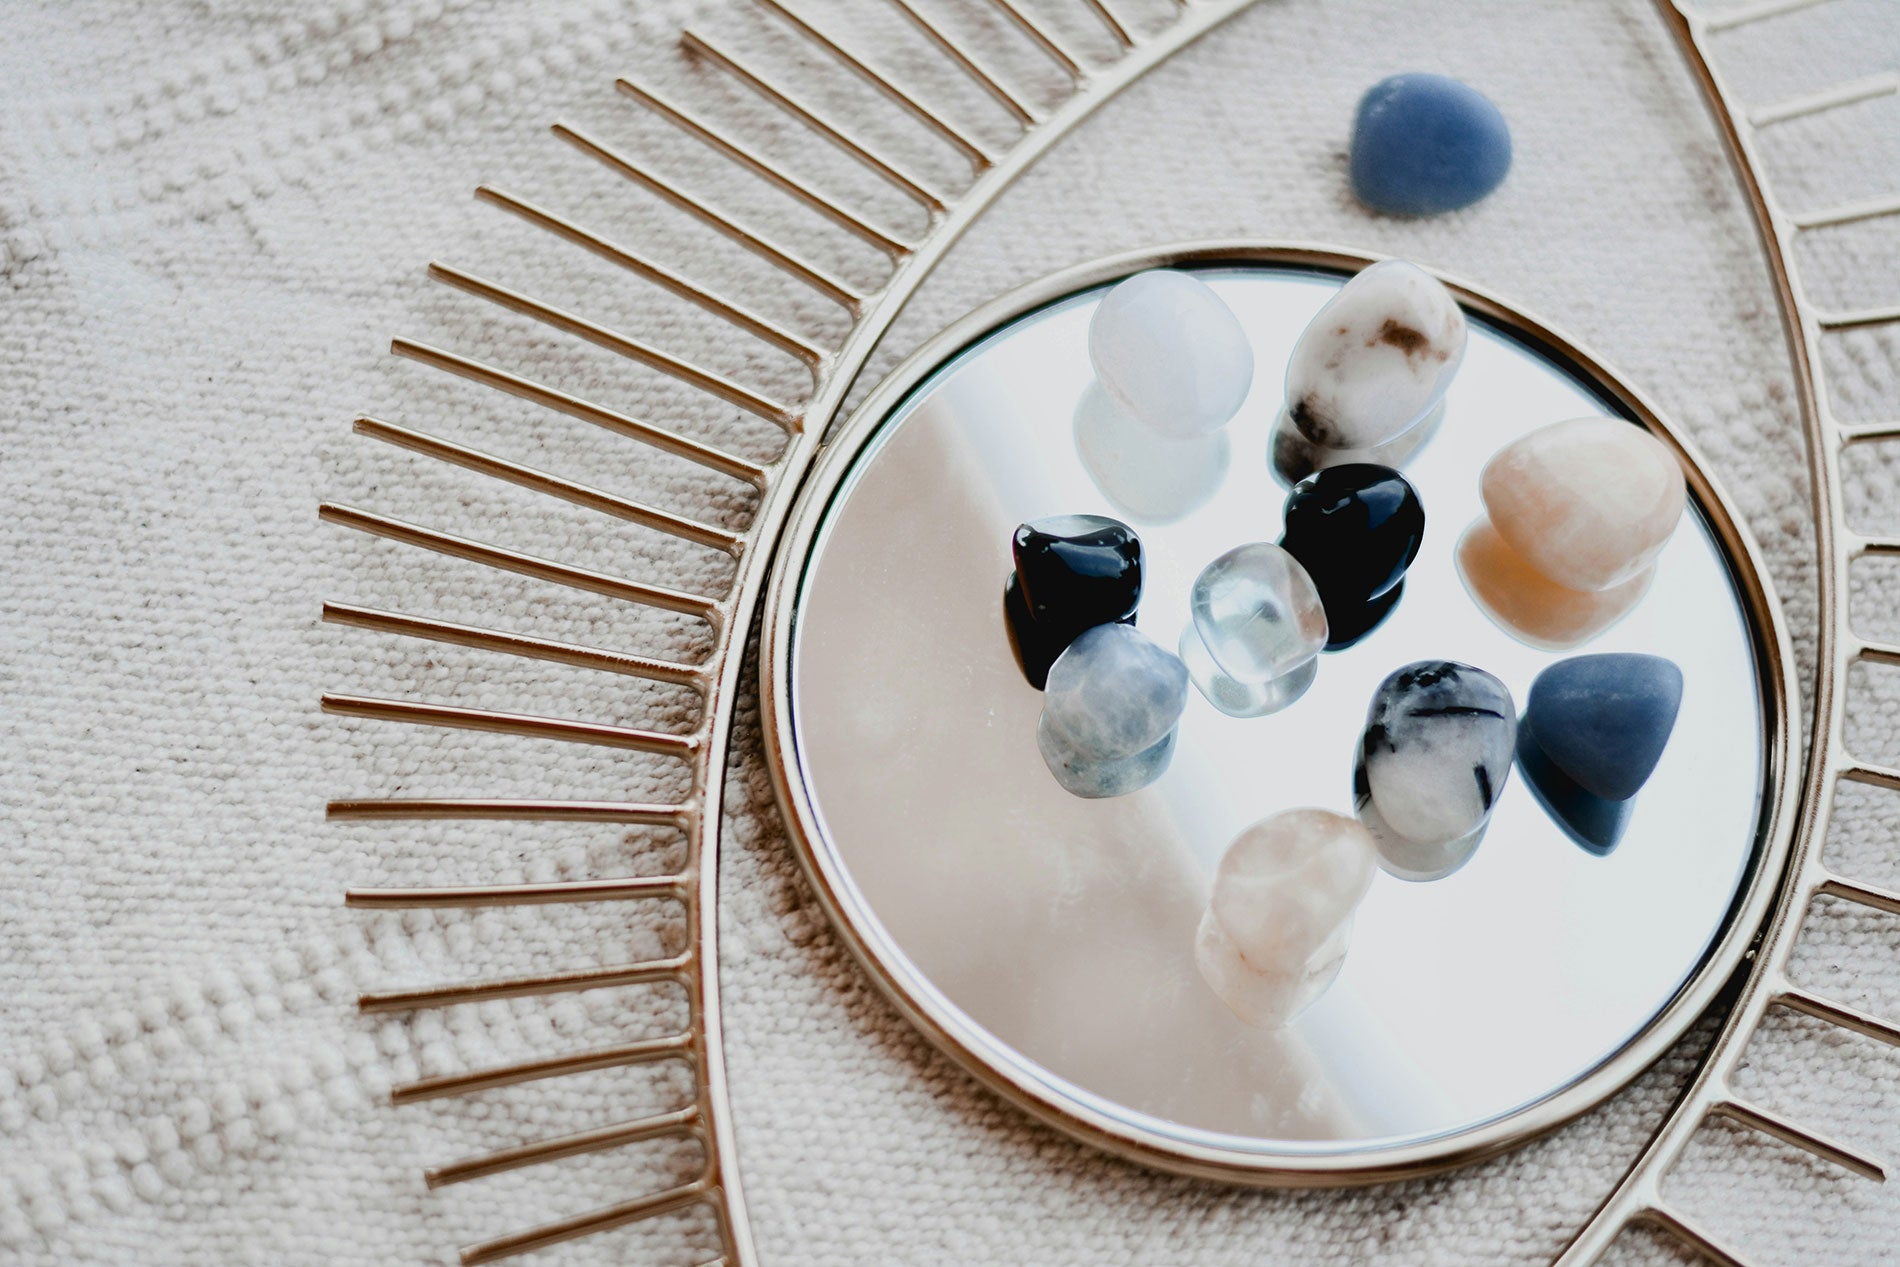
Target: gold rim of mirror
x=1012 y=1076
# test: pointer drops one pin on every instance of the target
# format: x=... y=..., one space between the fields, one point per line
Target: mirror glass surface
x=1064 y=928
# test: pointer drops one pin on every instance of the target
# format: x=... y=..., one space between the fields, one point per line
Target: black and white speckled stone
x=1439 y=741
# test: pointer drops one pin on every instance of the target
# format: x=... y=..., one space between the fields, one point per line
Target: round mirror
x=1049 y=940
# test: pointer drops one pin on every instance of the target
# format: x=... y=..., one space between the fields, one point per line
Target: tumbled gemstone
x=1355 y=529
x=1589 y=503
x=1113 y=693
x=1257 y=612
x=1098 y=777
x=1604 y=720
x=1077 y=571
x=1171 y=353
x=1348 y=626
x=1438 y=745
x=1531 y=607
x=1376 y=359
x=1424 y=144
x=1280 y=913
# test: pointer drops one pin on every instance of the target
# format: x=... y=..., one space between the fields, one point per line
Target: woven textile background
x=214 y=216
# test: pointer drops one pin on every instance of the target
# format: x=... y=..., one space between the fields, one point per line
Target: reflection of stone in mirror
x=1402 y=857
x=1595 y=824
x=1293 y=457
x=1529 y=606
x=1144 y=474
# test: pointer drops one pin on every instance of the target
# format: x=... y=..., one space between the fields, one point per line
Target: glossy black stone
x=1035 y=644
x=1355 y=529
x=1348 y=624
x=1078 y=571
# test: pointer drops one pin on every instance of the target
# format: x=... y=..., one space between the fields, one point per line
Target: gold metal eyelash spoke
x=744 y=318
x=1854 y=1020
x=931 y=119
x=1872 y=775
x=574 y=407
x=522 y=564
x=1865 y=432
x=692 y=375
x=645 y=1052
x=520 y=724
x=1867 y=895
x=730 y=543
x=1848 y=213
x=652 y=972
x=1735 y=18
x=515 y=644
x=985 y=78
x=762 y=84
x=633 y=888
x=1043 y=38
x=1113 y=23
x=1690 y=1233
x=660 y=1126
x=1830 y=99
x=762 y=167
x=738 y=231
x=631 y=813
x=602 y=1220
x=1855 y=318
x=1788 y=1132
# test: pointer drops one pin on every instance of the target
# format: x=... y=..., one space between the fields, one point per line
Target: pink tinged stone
x=1531 y=607
x=1280 y=916
x=1377 y=359
x=1588 y=503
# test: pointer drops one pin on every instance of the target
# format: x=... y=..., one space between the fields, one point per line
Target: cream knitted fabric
x=212 y=218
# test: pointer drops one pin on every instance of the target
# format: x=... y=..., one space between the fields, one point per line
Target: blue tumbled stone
x=1422 y=144
x=1603 y=720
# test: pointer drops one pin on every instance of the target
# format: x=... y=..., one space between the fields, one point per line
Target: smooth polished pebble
x=1355 y=529
x=1589 y=503
x=1095 y=778
x=1280 y=912
x=1439 y=741
x=1376 y=359
x=1258 y=612
x=1529 y=606
x=1113 y=693
x=1604 y=720
x=1426 y=144
x=1078 y=571
x=1171 y=353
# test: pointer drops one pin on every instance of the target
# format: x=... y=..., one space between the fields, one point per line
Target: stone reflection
x=1594 y=823
x=1146 y=475
x=1531 y=607
x=1293 y=457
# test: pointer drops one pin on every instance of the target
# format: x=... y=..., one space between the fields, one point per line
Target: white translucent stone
x=1280 y=915
x=1143 y=473
x=1529 y=605
x=1113 y=693
x=1258 y=628
x=1376 y=359
x=1589 y=503
x=1171 y=353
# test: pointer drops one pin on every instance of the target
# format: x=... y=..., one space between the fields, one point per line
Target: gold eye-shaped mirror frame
x=1090 y=78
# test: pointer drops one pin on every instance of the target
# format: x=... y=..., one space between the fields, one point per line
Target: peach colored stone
x=1589 y=503
x=1530 y=606
x=1280 y=916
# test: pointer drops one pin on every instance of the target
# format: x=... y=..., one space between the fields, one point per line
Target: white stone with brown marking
x=1377 y=359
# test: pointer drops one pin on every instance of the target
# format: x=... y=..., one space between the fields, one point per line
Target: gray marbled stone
x=1439 y=741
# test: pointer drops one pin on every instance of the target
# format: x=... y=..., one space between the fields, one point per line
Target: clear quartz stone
x=1258 y=628
x=1171 y=353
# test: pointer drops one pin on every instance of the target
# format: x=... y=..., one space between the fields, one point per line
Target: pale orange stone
x=1529 y=605
x=1589 y=503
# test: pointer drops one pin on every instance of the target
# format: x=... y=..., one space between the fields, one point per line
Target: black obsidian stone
x=1348 y=623
x=1073 y=572
x=1355 y=529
